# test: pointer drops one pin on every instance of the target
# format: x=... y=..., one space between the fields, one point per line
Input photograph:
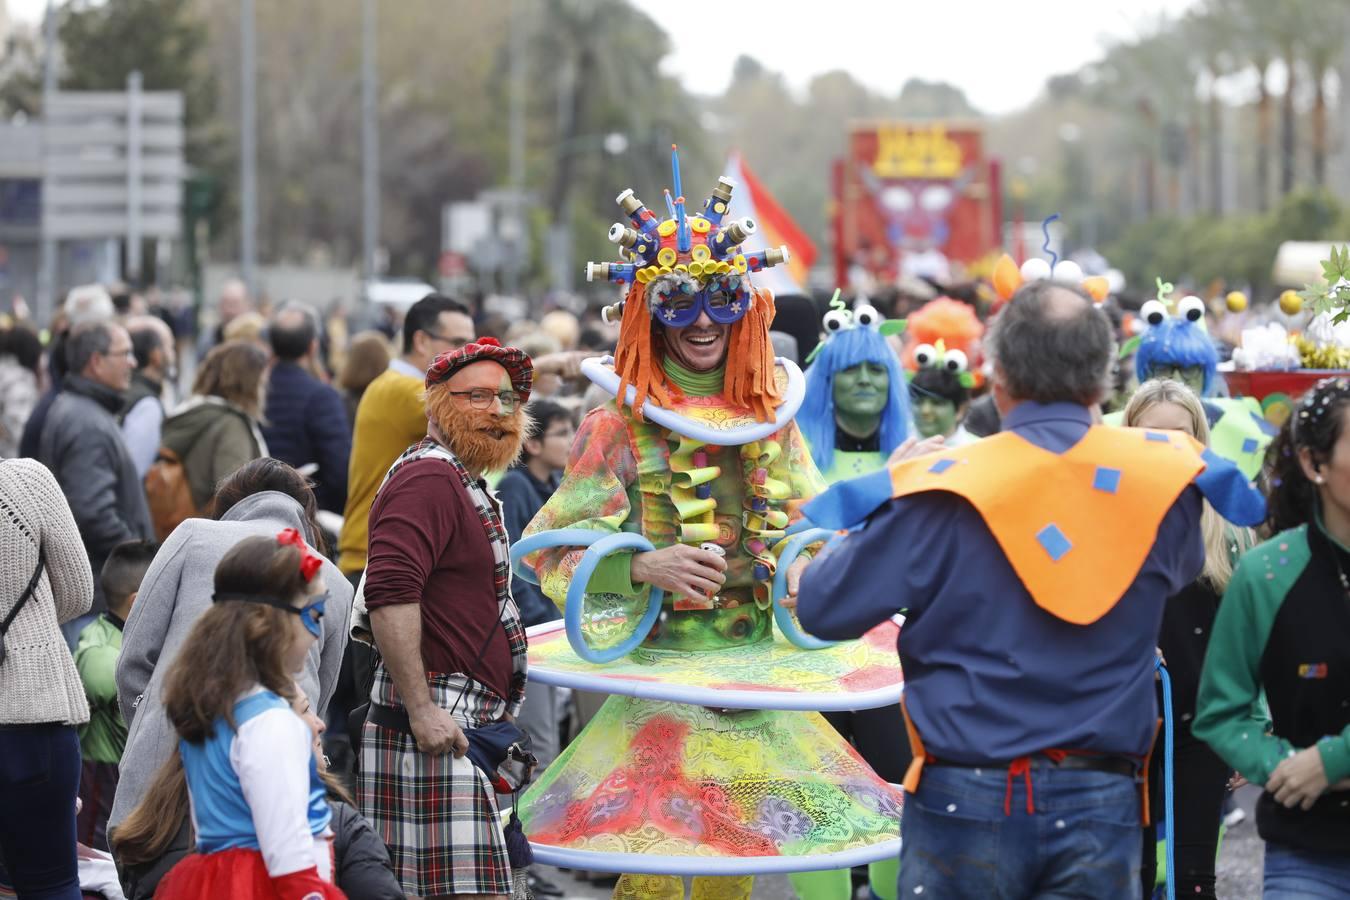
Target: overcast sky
x=998 y=51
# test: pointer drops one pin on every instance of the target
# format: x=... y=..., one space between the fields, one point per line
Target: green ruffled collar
x=695 y=384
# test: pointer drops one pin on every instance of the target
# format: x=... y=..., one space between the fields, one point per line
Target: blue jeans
x=1294 y=874
x=1082 y=841
x=39 y=776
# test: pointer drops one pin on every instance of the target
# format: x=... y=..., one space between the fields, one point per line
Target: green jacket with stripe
x=1284 y=628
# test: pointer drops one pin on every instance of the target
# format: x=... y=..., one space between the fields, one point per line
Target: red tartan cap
x=514 y=360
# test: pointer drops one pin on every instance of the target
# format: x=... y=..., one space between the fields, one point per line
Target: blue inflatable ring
x=794 y=544
x=598 y=545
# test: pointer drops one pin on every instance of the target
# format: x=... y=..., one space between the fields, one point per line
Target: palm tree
x=1324 y=28
x=1155 y=76
x=1254 y=22
x=1214 y=35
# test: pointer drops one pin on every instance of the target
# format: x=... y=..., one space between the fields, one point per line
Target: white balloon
x=1035 y=269
x=1069 y=271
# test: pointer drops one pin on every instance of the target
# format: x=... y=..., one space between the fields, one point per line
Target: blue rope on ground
x=1168 y=807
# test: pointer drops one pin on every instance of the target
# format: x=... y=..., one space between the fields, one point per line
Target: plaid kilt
x=437 y=814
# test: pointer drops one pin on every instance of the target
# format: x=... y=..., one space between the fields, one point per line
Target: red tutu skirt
x=238 y=874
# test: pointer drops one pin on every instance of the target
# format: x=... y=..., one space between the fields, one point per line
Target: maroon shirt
x=428 y=547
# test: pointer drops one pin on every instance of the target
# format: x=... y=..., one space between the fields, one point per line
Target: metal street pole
x=370 y=145
x=46 y=284
x=511 y=276
x=134 y=153
x=248 y=150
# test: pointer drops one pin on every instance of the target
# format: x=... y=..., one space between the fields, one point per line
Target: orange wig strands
x=635 y=358
x=749 y=379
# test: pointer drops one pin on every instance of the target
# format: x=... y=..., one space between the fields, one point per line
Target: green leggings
x=836 y=884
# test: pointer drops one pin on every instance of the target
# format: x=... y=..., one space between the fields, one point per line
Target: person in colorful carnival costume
x=854 y=416
x=1179 y=347
x=1062 y=540
x=856 y=410
x=669 y=466
x=950 y=322
x=940 y=392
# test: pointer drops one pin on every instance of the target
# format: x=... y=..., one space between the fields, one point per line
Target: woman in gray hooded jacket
x=262 y=498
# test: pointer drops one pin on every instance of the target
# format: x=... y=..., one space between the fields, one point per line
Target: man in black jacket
x=306 y=422
x=82 y=445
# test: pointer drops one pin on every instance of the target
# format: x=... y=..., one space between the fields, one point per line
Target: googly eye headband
x=938 y=356
x=1172 y=341
x=840 y=318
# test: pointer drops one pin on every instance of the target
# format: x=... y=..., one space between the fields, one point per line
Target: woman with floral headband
x=1283 y=629
x=258 y=805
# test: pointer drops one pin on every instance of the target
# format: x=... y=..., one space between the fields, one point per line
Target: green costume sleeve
x=1335 y=753
x=796 y=467
x=1229 y=712
x=593 y=495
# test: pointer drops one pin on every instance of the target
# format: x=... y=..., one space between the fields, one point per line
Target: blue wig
x=843 y=350
x=1178 y=342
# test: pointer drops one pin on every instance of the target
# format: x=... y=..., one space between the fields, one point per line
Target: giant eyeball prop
x=1069 y=271
x=1191 y=308
x=836 y=320
x=925 y=355
x=866 y=315
x=955 y=361
x=1153 y=312
x=1035 y=269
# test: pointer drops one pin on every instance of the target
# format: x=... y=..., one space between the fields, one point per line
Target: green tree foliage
x=1238 y=249
x=102 y=43
x=20 y=77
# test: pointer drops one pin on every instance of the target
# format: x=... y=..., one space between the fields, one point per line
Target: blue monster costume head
x=1173 y=344
x=852 y=338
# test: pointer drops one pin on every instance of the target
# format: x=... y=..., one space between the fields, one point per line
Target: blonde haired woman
x=1200 y=775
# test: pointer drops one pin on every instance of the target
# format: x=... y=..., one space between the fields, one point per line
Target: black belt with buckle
x=1091 y=762
x=395 y=718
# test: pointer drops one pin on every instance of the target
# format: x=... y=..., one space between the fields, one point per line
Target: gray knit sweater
x=176 y=591
x=38 y=680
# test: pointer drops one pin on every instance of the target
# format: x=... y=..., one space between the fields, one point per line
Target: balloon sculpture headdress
x=1008 y=276
x=852 y=338
x=676 y=270
x=1173 y=341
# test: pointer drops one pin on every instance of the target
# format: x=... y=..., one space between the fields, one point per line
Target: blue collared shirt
x=989 y=675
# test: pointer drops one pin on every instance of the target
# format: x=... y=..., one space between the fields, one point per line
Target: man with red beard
x=450 y=642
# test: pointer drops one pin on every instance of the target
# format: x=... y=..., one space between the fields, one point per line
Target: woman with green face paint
x=855 y=413
x=856 y=409
x=939 y=400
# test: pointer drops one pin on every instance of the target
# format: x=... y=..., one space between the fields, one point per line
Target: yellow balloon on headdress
x=1237 y=301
